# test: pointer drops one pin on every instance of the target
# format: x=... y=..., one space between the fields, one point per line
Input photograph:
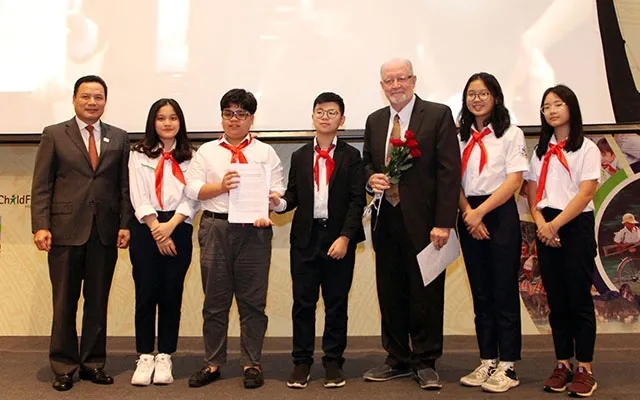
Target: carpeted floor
x=25 y=373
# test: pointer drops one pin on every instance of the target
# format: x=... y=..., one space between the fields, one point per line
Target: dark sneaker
x=428 y=379
x=583 y=384
x=333 y=375
x=204 y=377
x=385 y=373
x=559 y=379
x=252 y=378
x=299 y=378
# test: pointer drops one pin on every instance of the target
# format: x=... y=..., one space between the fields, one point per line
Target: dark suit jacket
x=430 y=189
x=346 y=194
x=66 y=192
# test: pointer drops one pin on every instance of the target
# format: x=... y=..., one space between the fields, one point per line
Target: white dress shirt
x=85 y=133
x=505 y=155
x=321 y=191
x=212 y=161
x=405 y=118
x=142 y=188
x=561 y=187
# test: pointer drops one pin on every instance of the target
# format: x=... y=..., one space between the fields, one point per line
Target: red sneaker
x=583 y=384
x=559 y=379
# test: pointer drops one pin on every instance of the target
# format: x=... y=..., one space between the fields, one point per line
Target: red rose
x=412 y=144
x=396 y=142
x=409 y=135
x=415 y=153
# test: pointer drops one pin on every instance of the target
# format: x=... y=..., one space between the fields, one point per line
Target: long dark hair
x=499 y=118
x=149 y=145
x=576 y=133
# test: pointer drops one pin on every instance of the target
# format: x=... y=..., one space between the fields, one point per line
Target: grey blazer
x=66 y=193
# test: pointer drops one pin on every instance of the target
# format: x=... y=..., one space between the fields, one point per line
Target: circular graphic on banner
x=618 y=234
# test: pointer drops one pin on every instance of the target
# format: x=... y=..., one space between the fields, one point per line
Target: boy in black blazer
x=326 y=185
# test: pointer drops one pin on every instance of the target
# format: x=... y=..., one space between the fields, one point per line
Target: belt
x=323 y=222
x=215 y=215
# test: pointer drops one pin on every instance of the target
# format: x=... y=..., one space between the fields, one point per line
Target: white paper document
x=432 y=261
x=250 y=200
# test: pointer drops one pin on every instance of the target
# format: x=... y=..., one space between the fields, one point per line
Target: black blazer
x=429 y=191
x=346 y=194
x=66 y=193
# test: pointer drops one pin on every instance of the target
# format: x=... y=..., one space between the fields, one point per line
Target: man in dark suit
x=420 y=210
x=326 y=186
x=79 y=215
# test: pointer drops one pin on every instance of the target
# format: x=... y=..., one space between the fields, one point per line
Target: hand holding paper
x=433 y=261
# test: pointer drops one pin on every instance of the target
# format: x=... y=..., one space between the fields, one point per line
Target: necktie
x=392 y=195
x=395 y=134
x=330 y=164
x=476 y=138
x=553 y=150
x=236 y=151
x=93 y=149
x=175 y=169
x=609 y=168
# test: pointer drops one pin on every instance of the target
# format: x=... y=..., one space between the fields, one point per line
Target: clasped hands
x=548 y=234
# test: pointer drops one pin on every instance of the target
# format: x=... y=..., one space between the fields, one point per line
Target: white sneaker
x=480 y=374
x=501 y=380
x=144 y=370
x=164 y=366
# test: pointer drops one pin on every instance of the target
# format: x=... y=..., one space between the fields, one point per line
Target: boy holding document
x=326 y=185
x=234 y=257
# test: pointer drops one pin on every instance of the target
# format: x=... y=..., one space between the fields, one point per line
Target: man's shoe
x=333 y=375
x=583 y=384
x=559 y=379
x=96 y=375
x=252 y=378
x=300 y=376
x=479 y=375
x=428 y=379
x=62 y=383
x=385 y=373
x=163 y=367
x=501 y=380
x=144 y=370
x=204 y=377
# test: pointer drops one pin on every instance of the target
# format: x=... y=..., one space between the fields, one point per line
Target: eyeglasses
x=240 y=114
x=547 y=108
x=331 y=113
x=482 y=96
x=400 y=79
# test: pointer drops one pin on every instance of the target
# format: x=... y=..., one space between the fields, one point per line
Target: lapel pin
x=105 y=139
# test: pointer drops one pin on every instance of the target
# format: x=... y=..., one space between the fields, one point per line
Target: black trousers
x=69 y=266
x=567 y=275
x=410 y=312
x=159 y=282
x=312 y=269
x=492 y=267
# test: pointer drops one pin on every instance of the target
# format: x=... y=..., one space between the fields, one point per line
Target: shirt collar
x=405 y=113
x=82 y=125
x=223 y=139
x=473 y=128
x=333 y=142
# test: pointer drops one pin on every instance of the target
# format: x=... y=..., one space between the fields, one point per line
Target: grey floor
x=25 y=374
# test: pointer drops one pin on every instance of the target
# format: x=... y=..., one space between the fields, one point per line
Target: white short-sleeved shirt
x=561 y=187
x=505 y=155
x=142 y=188
x=212 y=161
x=627 y=236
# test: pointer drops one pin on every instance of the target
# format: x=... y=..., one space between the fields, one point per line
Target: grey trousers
x=234 y=260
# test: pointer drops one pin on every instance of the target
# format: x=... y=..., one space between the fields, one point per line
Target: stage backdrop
x=25 y=291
